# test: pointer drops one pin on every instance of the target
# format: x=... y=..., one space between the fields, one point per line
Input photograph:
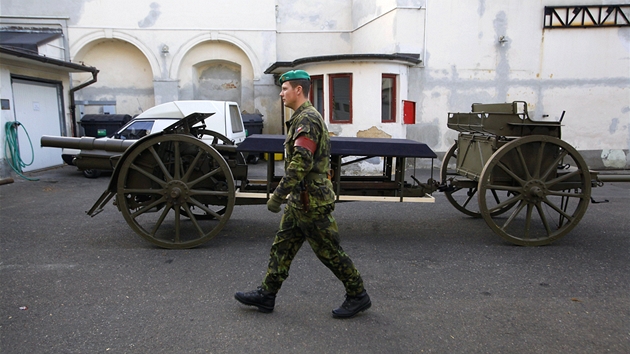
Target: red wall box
x=409 y=112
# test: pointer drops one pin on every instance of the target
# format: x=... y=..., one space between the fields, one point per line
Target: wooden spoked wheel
x=163 y=179
x=217 y=138
x=464 y=191
x=550 y=185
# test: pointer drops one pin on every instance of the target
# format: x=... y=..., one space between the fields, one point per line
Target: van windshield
x=135 y=130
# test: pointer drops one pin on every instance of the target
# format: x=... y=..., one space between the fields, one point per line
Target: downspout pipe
x=73 y=106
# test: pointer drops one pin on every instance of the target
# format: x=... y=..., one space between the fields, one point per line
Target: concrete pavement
x=439 y=281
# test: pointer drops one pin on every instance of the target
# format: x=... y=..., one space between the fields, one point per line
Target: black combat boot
x=264 y=300
x=353 y=305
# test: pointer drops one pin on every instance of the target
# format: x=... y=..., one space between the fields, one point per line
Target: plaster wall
x=388 y=26
x=150 y=26
x=314 y=16
x=200 y=54
x=364 y=11
x=585 y=72
x=267 y=102
x=309 y=28
x=8 y=68
x=259 y=46
x=378 y=36
x=151 y=13
x=125 y=76
x=295 y=45
x=366 y=98
x=253 y=51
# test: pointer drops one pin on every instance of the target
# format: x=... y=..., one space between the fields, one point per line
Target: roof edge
x=10 y=51
x=406 y=58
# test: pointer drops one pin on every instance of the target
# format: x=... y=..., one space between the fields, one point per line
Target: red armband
x=306 y=143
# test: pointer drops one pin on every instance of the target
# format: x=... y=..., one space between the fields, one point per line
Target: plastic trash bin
x=101 y=125
x=253 y=123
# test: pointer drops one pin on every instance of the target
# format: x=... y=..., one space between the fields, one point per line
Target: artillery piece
x=170 y=170
x=178 y=191
x=530 y=186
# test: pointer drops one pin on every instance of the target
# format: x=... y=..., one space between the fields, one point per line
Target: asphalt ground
x=440 y=281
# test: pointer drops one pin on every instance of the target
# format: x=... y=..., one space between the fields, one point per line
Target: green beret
x=294 y=75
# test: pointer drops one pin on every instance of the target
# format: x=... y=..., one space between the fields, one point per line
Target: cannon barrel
x=613 y=178
x=86 y=143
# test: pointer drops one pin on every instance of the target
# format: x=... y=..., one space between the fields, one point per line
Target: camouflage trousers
x=319 y=228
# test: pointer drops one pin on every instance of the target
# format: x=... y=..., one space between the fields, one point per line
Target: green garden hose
x=12 y=147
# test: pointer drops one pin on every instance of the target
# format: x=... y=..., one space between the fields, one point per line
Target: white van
x=226 y=120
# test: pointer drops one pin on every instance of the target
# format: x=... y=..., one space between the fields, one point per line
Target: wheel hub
x=534 y=191
x=176 y=192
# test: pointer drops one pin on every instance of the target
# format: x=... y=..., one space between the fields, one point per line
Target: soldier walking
x=307 y=216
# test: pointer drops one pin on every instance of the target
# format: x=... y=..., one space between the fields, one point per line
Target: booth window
x=388 y=98
x=317 y=93
x=340 y=98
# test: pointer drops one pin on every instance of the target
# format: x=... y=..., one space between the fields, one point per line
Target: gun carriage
x=530 y=186
x=178 y=191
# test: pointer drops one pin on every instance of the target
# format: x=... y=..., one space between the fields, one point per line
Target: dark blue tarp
x=346 y=146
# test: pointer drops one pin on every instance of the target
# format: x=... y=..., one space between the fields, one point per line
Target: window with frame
x=388 y=98
x=340 y=94
x=317 y=93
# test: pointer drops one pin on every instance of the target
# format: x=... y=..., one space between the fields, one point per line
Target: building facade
x=381 y=68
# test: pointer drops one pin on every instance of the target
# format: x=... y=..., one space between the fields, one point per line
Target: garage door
x=38 y=107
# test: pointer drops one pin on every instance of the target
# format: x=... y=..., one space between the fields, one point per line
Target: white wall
x=583 y=71
x=366 y=97
x=388 y=26
x=8 y=68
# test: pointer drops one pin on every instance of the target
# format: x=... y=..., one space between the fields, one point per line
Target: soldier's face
x=289 y=94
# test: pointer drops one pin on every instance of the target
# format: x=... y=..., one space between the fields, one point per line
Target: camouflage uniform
x=315 y=224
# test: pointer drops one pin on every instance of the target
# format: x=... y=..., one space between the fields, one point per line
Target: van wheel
x=91 y=173
x=252 y=159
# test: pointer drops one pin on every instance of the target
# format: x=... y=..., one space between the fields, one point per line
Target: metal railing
x=587 y=16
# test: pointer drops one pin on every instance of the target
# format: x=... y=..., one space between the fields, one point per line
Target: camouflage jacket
x=304 y=169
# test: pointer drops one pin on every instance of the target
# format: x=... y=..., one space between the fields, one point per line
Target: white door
x=38 y=108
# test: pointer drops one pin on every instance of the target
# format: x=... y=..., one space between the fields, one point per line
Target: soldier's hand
x=274 y=203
